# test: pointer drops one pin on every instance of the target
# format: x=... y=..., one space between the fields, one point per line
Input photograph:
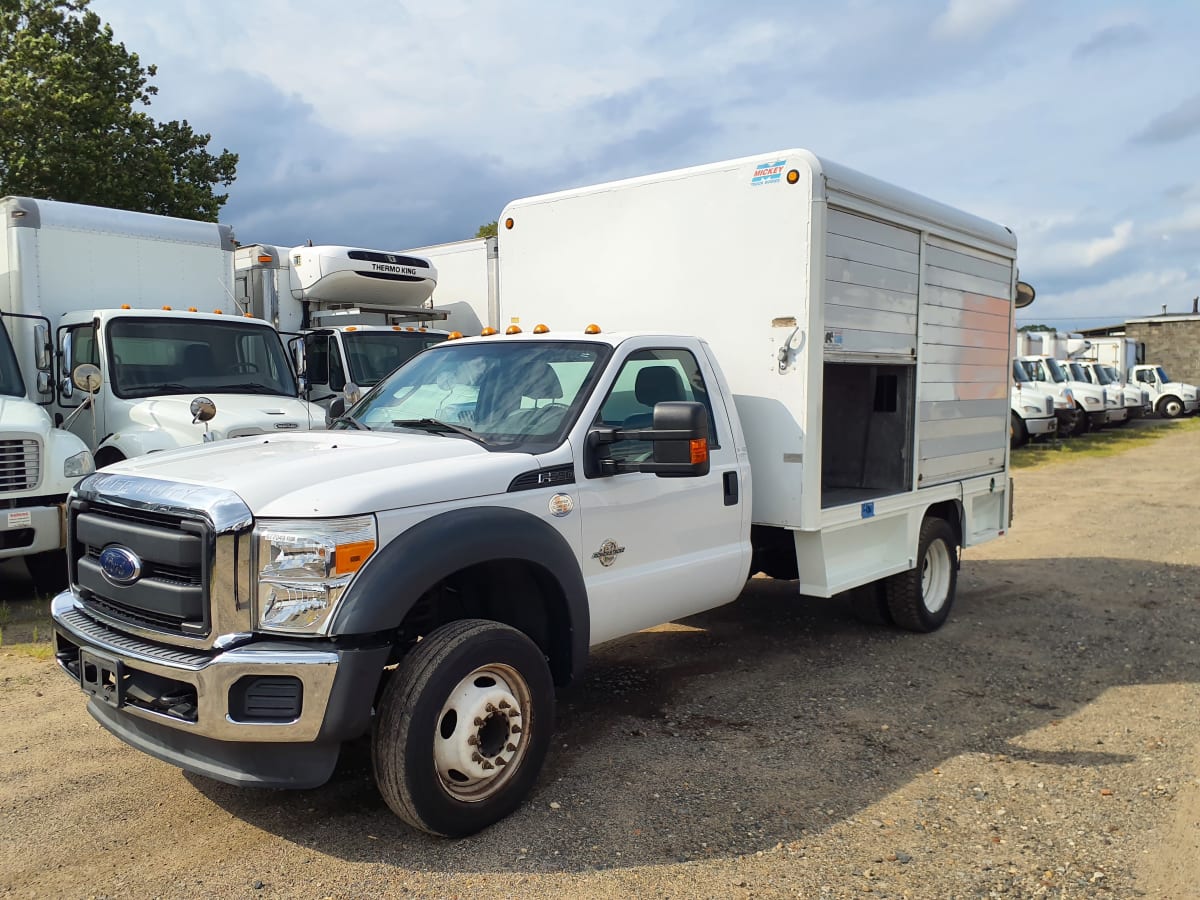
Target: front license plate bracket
x=103 y=677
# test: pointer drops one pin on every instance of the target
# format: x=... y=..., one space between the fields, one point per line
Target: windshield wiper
x=252 y=388
x=147 y=390
x=351 y=421
x=437 y=425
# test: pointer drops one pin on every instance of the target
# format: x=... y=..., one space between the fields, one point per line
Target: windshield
x=10 y=372
x=372 y=354
x=1019 y=373
x=1056 y=371
x=153 y=357
x=1100 y=374
x=1162 y=375
x=1037 y=371
x=516 y=395
x=1114 y=377
x=1080 y=372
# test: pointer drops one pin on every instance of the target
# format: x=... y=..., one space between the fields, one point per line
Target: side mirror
x=302 y=385
x=43 y=383
x=202 y=410
x=337 y=407
x=41 y=342
x=1025 y=295
x=353 y=393
x=679 y=438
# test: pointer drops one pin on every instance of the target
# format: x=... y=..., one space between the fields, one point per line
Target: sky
x=392 y=125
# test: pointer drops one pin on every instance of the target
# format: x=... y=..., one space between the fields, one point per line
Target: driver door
x=78 y=343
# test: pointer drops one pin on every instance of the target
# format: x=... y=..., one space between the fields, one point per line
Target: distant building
x=1171 y=340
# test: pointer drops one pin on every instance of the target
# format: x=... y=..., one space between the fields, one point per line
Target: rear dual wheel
x=920 y=599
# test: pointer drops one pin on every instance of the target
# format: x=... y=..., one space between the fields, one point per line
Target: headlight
x=79 y=465
x=304 y=566
x=1091 y=400
x=1032 y=410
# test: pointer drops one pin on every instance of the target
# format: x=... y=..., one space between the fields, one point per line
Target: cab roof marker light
x=126 y=306
x=592 y=329
x=166 y=307
x=218 y=312
x=192 y=309
x=541 y=329
x=397 y=328
x=454 y=336
x=513 y=329
x=352 y=328
x=489 y=331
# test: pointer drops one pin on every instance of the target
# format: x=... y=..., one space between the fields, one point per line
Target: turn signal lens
x=699 y=450
x=349 y=558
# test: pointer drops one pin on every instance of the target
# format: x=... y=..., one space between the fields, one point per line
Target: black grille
x=170 y=593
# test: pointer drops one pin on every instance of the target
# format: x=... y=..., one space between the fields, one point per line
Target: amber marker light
x=126 y=306
x=349 y=558
x=167 y=308
x=488 y=332
x=699 y=450
x=541 y=329
x=352 y=328
x=264 y=259
x=397 y=328
x=454 y=336
x=508 y=223
x=513 y=329
x=192 y=309
x=592 y=329
x=793 y=176
x=217 y=312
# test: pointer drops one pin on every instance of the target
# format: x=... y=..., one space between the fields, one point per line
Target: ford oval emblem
x=120 y=566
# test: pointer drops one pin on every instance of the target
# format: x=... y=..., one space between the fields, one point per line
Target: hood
x=338 y=473
x=1187 y=391
x=22 y=414
x=237 y=415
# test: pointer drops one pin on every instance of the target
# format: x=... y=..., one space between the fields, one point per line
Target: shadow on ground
x=764 y=720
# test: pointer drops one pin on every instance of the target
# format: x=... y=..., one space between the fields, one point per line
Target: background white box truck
x=148 y=300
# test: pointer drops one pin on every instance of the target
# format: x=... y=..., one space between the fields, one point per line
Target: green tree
x=487 y=231
x=70 y=124
x=1036 y=328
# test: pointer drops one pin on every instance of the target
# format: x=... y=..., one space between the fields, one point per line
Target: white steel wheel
x=480 y=739
x=462 y=727
x=935 y=576
x=920 y=599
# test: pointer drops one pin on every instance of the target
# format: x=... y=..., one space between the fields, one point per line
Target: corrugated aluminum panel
x=965 y=336
x=872 y=274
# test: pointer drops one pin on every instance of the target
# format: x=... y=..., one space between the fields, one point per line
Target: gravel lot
x=1045 y=742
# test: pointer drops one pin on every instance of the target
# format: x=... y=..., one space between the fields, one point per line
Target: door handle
x=730 y=482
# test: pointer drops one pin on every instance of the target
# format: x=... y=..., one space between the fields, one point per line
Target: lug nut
x=478 y=721
x=473 y=740
x=504 y=704
x=475 y=757
x=487 y=765
x=511 y=747
x=515 y=729
x=491 y=707
x=501 y=761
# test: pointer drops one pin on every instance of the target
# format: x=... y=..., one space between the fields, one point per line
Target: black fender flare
x=398 y=574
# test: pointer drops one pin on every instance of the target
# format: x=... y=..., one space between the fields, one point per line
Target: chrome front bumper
x=188 y=707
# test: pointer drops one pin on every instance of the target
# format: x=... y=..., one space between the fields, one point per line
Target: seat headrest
x=654 y=384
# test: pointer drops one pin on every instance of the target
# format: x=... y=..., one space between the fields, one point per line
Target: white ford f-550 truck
x=430 y=569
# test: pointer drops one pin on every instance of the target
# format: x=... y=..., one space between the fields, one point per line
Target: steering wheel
x=245 y=367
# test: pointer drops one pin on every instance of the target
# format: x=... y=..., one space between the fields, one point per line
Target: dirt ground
x=1045 y=742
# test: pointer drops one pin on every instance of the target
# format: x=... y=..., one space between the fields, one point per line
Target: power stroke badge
x=608 y=553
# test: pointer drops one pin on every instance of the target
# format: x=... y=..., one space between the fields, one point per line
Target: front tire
x=1082 y=425
x=1018 y=434
x=1171 y=407
x=48 y=571
x=920 y=599
x=462 y=727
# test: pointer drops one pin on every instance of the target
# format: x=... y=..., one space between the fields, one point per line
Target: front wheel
x=48 y=571
x=1018 y=434
x=1171 y=407
x=463 y=727
x=920 y=599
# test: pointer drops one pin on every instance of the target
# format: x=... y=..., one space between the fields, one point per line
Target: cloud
x=1125 y=297
x=1074 y=255
x=1175 y=125
x=1110 y=39
x=972 y=18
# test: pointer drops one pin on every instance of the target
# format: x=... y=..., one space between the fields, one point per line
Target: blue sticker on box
x=868 y=510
